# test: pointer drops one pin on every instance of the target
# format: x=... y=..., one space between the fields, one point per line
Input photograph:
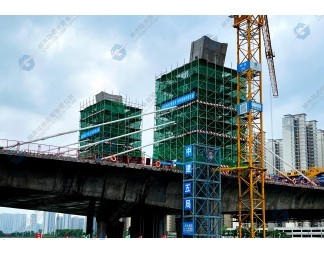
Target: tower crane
x=250 y=137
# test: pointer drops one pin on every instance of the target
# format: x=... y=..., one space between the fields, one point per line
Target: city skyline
x=20 y=222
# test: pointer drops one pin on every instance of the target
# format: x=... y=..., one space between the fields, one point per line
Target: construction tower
x=105 y=108
x=205 y=93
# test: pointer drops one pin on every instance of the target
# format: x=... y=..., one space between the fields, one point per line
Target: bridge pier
x=178 y=222
x=147 y=222
x=90 y=215
x=106 y=229
x=101 y=229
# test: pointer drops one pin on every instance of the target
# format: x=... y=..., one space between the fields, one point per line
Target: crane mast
x=250 y=136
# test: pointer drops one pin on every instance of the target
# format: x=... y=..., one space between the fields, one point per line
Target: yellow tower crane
x=250 y=146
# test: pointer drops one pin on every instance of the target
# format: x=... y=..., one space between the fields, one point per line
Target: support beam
x=90 y=216
x=147 y=223
x=101 y=229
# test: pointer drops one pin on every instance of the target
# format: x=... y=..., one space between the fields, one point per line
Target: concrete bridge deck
x=67 y=185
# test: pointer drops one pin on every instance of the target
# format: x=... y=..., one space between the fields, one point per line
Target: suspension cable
x=90 y=127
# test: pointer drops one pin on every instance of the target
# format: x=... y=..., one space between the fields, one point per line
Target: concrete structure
x=299 y=142
x=206 y=112
x=208 y=49
x=110 y=191
x=105 y=108
x=320 y=147
x=271 y=161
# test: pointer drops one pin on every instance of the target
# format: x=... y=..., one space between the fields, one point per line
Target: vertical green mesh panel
x=210 y=118
x=105 y=111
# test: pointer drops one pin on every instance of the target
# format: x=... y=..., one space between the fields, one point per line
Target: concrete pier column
x=101 y=229
x=137 y=223
x=148 y=223
x=115 y=230
x=178 y=222
x=90 y=215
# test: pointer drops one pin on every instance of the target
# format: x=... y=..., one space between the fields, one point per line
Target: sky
x=45 y=73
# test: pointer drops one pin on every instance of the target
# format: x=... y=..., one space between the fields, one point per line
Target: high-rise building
x=10 y=223
x=59 y=222
x=320 y=147
x=20 y=222
x=105 y=108
x=299 y=142
x=33 y=222
x=272 y=162
x=205 y=94
x=311 y=141
x=78 y=222
x=49 y=223
x=67 y=221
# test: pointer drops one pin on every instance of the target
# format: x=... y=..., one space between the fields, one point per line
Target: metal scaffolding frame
x=205 y=94
x=107 y=108
x=202 y=201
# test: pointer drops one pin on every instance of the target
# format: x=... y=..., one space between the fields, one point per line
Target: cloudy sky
x=53 y=64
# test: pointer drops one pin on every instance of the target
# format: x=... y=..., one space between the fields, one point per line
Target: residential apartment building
x=299 y=138
x=272 y=162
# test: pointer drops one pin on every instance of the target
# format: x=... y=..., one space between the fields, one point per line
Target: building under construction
x=106 y=108
x=205 y=93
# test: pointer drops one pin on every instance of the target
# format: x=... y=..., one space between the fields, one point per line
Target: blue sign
x=180 y=100
x=247 y=106
x=188 y=151
x=187 y=204
x=256 y=106
x=243 y=66
x=246 y=65
x=187 y=188
x=187 y=228
x=90 y=133
x=188 y=168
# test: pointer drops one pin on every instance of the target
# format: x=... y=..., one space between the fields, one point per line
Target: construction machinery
x=250 y=137
x=316 y=174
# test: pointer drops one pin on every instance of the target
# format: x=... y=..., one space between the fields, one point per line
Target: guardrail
x=37 y=148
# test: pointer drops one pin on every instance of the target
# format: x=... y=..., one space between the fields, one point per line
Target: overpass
x=111 y=191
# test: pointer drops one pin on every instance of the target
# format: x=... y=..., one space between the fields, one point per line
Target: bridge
x=110 y=191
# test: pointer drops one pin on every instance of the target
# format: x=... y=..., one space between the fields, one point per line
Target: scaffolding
x=206 y=96
x=104 y=108
x=202 y=216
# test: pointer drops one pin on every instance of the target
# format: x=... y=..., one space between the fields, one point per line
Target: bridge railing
x=37 y=148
